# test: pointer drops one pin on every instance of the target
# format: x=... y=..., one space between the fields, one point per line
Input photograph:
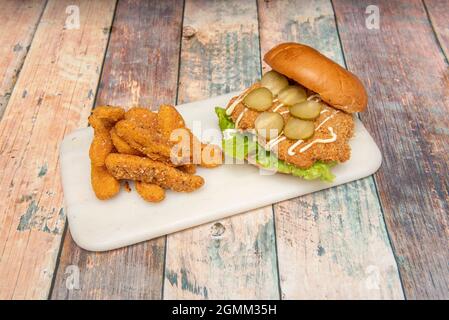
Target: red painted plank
x=141 y=67
x=407 y=80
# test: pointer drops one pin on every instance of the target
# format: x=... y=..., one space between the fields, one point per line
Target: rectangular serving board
x=229 y=189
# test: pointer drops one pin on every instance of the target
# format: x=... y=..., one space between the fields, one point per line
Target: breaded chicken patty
x=341 y=124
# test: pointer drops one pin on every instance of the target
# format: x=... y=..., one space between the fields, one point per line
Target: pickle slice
x=292 y=95
x=259 y=99
x=269 y=124
x=274 y=82
x=297 y=129
x=306 y=110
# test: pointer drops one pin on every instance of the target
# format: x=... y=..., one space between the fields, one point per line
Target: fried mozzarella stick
x=122 y=146
x=150 y=192
x=105 y=186
x=142 y=116
x=109 y=113
x=148 y=142
x=142 y=139
x=123 y=166
x=169 y=119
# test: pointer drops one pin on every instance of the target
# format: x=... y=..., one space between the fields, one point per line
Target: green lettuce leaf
x=240 y=146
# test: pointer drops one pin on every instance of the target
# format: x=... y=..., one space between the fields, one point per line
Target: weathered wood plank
x=331 y=244
x=141 y=67
x=236 y=257
x=408 y=81
x=51 y=97
x=18 y=23
x=438 y=11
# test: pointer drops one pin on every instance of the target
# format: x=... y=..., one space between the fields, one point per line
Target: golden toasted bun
x=337 y=86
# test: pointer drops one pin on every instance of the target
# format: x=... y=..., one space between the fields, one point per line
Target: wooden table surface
x=385 y=236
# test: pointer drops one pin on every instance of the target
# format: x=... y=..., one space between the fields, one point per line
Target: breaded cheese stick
x=123 y=166
x=122 y=146
x=101 y=144
x=142 y=116
x=169 y=119
x=187 y=168
x=100 y=147
x=109 y=113
x=133 y=134
x=104 y=184
x=150 y=192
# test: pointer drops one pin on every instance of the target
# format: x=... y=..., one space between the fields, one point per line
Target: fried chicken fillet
x=105 y=186
x=123 y=166
x=341 y=122
x=150 y=192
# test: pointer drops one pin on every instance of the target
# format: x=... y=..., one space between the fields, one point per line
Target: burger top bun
x=336 y=86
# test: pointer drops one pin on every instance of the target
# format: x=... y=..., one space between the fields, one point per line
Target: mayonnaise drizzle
x=270 y=145
x=284 y=112
x=235 y=103
x=280 y=105
x=327 y=119
x=240 y=117
x=316 y=97
x=292 y=148
x=332 y=139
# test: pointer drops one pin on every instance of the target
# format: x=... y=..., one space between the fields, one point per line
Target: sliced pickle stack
x=301 y=125
x=270 y=124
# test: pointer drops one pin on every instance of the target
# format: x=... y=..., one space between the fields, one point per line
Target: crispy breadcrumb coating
x=142 y=116
x=103 y=183
x=122 y=146
x=145 y=153
x=150 y=192
x=169 y=119
x=131 y=167
x=109 y=113
x=100 y=147
x=187 y=168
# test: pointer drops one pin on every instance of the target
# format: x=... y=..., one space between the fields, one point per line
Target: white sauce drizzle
x=290 y=150
x=324 y=111
x=280 y=105
x=315 y=97
x=240 y=118
x=284 y=112
x=270 y=145
x=235 y=103
x=332 y=139
x=327 y=119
